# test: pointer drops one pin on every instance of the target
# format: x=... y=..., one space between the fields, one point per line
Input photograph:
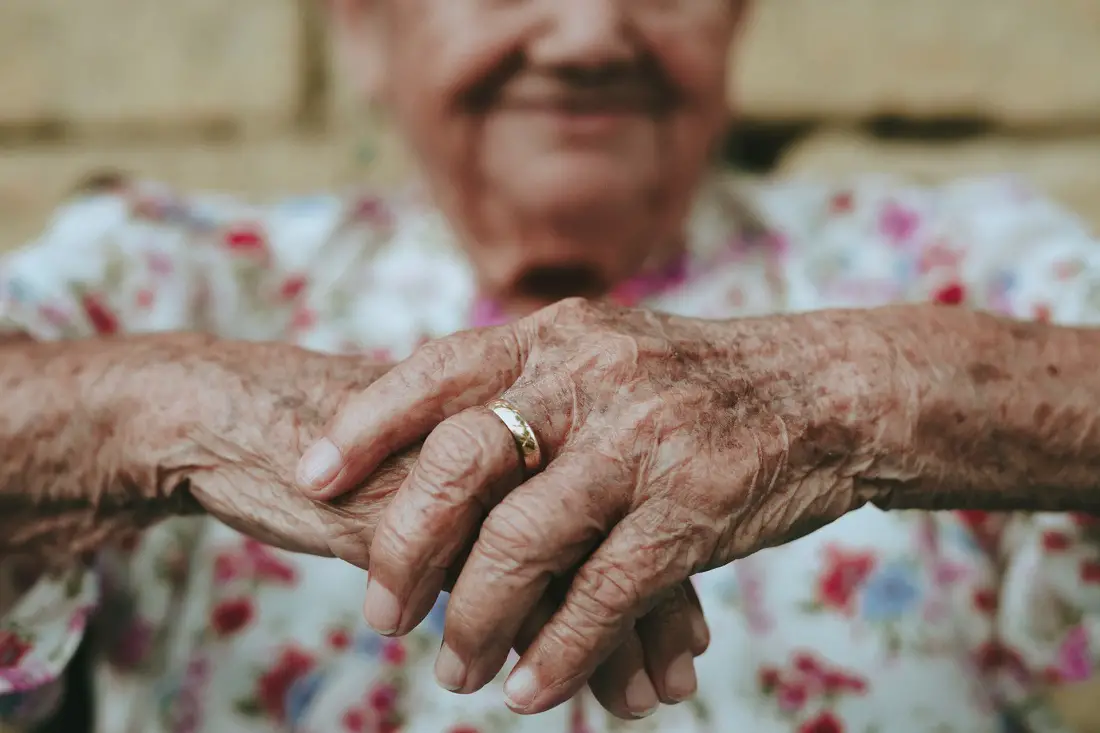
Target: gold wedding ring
x=527 y=443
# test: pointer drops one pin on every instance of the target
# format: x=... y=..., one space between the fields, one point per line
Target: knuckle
x=464 y=621
x=570 y=633
x=450 y=450
x=513 y=535
x=454 y=467
x=574 y=306
x=390 y=548
x=570 y=312
x=434 y=356
x=607 y=594
x=430 y=364
x=617 y=348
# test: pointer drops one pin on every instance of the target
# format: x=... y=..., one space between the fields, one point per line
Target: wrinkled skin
x=673 y=446
x=250 y=488
x=229 y=450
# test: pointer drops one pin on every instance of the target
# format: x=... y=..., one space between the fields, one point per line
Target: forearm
x=101 y=436
x=1003 y=415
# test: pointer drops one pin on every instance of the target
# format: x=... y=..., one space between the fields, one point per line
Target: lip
x=590 y=123
x=587 y=119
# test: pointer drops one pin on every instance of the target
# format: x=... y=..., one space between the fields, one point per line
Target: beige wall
x=244 y=95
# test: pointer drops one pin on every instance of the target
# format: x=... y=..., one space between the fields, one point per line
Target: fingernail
x=319 y=465
x=680 y=681
x=381 y=609
x=700 y=634
x=450 y=672
x=520 y=688
x=641 y=698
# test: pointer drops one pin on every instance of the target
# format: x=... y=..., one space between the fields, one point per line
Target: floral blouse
x=879 y=623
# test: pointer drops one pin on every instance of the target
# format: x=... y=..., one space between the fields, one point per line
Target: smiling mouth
x=589 y=104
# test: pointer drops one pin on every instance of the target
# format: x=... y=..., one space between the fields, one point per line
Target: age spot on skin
x=985 y=373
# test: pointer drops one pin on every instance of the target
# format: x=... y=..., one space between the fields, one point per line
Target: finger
x=350 y=521
x=621 y=684
x=614 y=587
x=440 y=379
x=700 y=629
x=465 y=466
x=671 y=639
x=541 y=530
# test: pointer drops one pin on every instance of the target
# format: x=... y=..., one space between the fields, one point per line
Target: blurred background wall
x=244 y=96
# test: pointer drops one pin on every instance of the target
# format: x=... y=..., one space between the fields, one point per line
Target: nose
x=582 y=34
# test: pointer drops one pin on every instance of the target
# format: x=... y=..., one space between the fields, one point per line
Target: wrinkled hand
x=673 y=446
x=250 y=441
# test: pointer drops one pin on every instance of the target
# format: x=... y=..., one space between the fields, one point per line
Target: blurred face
x=564 y=139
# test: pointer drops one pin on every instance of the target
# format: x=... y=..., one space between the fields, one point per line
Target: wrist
x=250 y=411
x=866 y=392
x=1002 y=415
x=198 y=401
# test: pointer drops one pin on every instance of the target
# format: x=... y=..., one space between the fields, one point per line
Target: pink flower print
x=577 y=722
x=79 y=620
x=947 y=574
x=844 y=574
x=1090 y=572
x=54 y=315
x=1068 y=269
x=938 y=255
x=267 y=565
x=792 y=696
x=382 y=698
x=133 y=645
x=145 y=298
x=1074 y=657
x=898 y=224
x=228 y=566
x=779 y=244
x=13 y=648
x=842 y=203
x=950 y=294
x=28 y=676
x=292 y=287
x=103 y=319
x=757 y=614
x=393 y=652
x=338 y=639
x=1054 y=541
x=273 y=570
x=354 y=720
x=636 y=289
x=159 y=264
x=372 y=210
x=246 y=240
x=303 y=319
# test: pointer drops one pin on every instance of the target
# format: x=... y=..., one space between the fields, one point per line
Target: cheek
x=424 y=91
x=696 y=55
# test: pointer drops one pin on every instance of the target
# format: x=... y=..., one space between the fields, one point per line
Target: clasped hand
x=671 y=446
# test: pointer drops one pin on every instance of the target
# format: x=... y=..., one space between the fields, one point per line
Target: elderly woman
x=719 y=392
